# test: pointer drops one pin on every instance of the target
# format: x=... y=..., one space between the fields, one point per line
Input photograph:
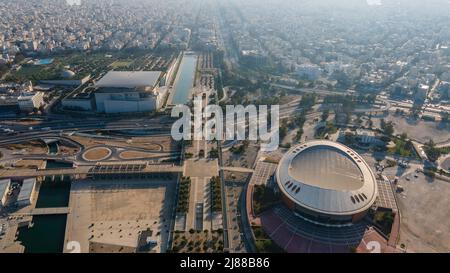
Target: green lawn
x=83 y=63
x=121 y=64
x=403 y=148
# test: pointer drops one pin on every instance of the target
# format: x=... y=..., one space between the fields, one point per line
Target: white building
x=30 y=100
x=4 y=188
x=129 y=91
x=422 y=92
x=27 y=190
x=84 y=104
x=308 y=71
x=366 y=136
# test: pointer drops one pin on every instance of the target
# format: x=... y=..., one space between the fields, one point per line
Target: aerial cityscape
x=224 y=126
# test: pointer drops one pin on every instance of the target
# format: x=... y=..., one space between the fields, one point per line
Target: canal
x=47 y=233
x=185 y=79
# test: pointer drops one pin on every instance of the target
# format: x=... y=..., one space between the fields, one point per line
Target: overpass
x=44 y=211
x=237 y=169
x=95 y=170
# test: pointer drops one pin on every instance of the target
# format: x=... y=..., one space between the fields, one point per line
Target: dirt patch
x=246 y=159
x=32 y=147
x=424 y=208
x=30 y=164
x=420 y=130
x=97 y=154
x=66 y=150
x=136 y=154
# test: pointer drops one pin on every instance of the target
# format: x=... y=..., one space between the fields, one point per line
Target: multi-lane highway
x=21 y=132
x=160 y=124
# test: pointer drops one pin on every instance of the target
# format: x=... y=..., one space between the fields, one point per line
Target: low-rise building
x=26 y=194
x=308 y=71
x=4 y=188
x=366 y=137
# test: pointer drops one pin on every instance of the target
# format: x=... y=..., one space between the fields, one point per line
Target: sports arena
x=326 y=183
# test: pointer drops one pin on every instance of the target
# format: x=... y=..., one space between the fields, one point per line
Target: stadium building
x=128 y=91
x=326 y=183
x=121 y=92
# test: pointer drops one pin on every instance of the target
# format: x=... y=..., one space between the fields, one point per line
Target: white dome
x=327 y=177
x=67 y=74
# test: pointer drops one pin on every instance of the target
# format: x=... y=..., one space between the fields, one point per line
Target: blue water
x=47 y=234
x=185 y=79
x=44 y=61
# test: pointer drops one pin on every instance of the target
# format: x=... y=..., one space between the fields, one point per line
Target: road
x=158 y=124
x=49 y=129
x=234 y=190
x=43 y=211
x=85 y=169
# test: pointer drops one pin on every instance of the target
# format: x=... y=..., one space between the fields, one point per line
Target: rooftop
x=27 y=189
x=326 y=167
x=327 y=177
x=129 y=79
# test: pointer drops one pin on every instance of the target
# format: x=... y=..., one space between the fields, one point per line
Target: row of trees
x=183 y=195
x=216 y=194
x=263 y=199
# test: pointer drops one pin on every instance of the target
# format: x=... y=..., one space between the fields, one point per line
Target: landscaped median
x=216 y=196
x=183 y=195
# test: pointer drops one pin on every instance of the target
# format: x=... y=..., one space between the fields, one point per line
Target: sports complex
x=326 y=183
x=326 y=191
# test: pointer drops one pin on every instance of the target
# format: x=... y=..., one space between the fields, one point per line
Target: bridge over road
x=103 y=169
x=237 y=169
x=44 y=211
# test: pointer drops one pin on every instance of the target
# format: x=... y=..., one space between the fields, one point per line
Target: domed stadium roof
x=327 y=177
x=67 y=74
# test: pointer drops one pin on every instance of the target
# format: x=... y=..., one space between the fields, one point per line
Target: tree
x=325 y=115
x=19 y=58
x=299 y=134
x=415 y=110
x=283 y=129
x=404 y=136
x=432 y=152
x=387 y=127
x=370 y=123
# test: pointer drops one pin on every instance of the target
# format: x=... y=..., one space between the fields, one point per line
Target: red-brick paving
x=367 y=245
x=253 y=220
x=295 y=235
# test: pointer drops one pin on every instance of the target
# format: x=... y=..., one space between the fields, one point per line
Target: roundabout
x=97 y=154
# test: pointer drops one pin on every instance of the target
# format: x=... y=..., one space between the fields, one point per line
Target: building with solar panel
x=326 y=183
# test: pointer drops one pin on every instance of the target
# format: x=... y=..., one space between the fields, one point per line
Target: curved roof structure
x=129 y=79
x=67 y=74
x=327 y=177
